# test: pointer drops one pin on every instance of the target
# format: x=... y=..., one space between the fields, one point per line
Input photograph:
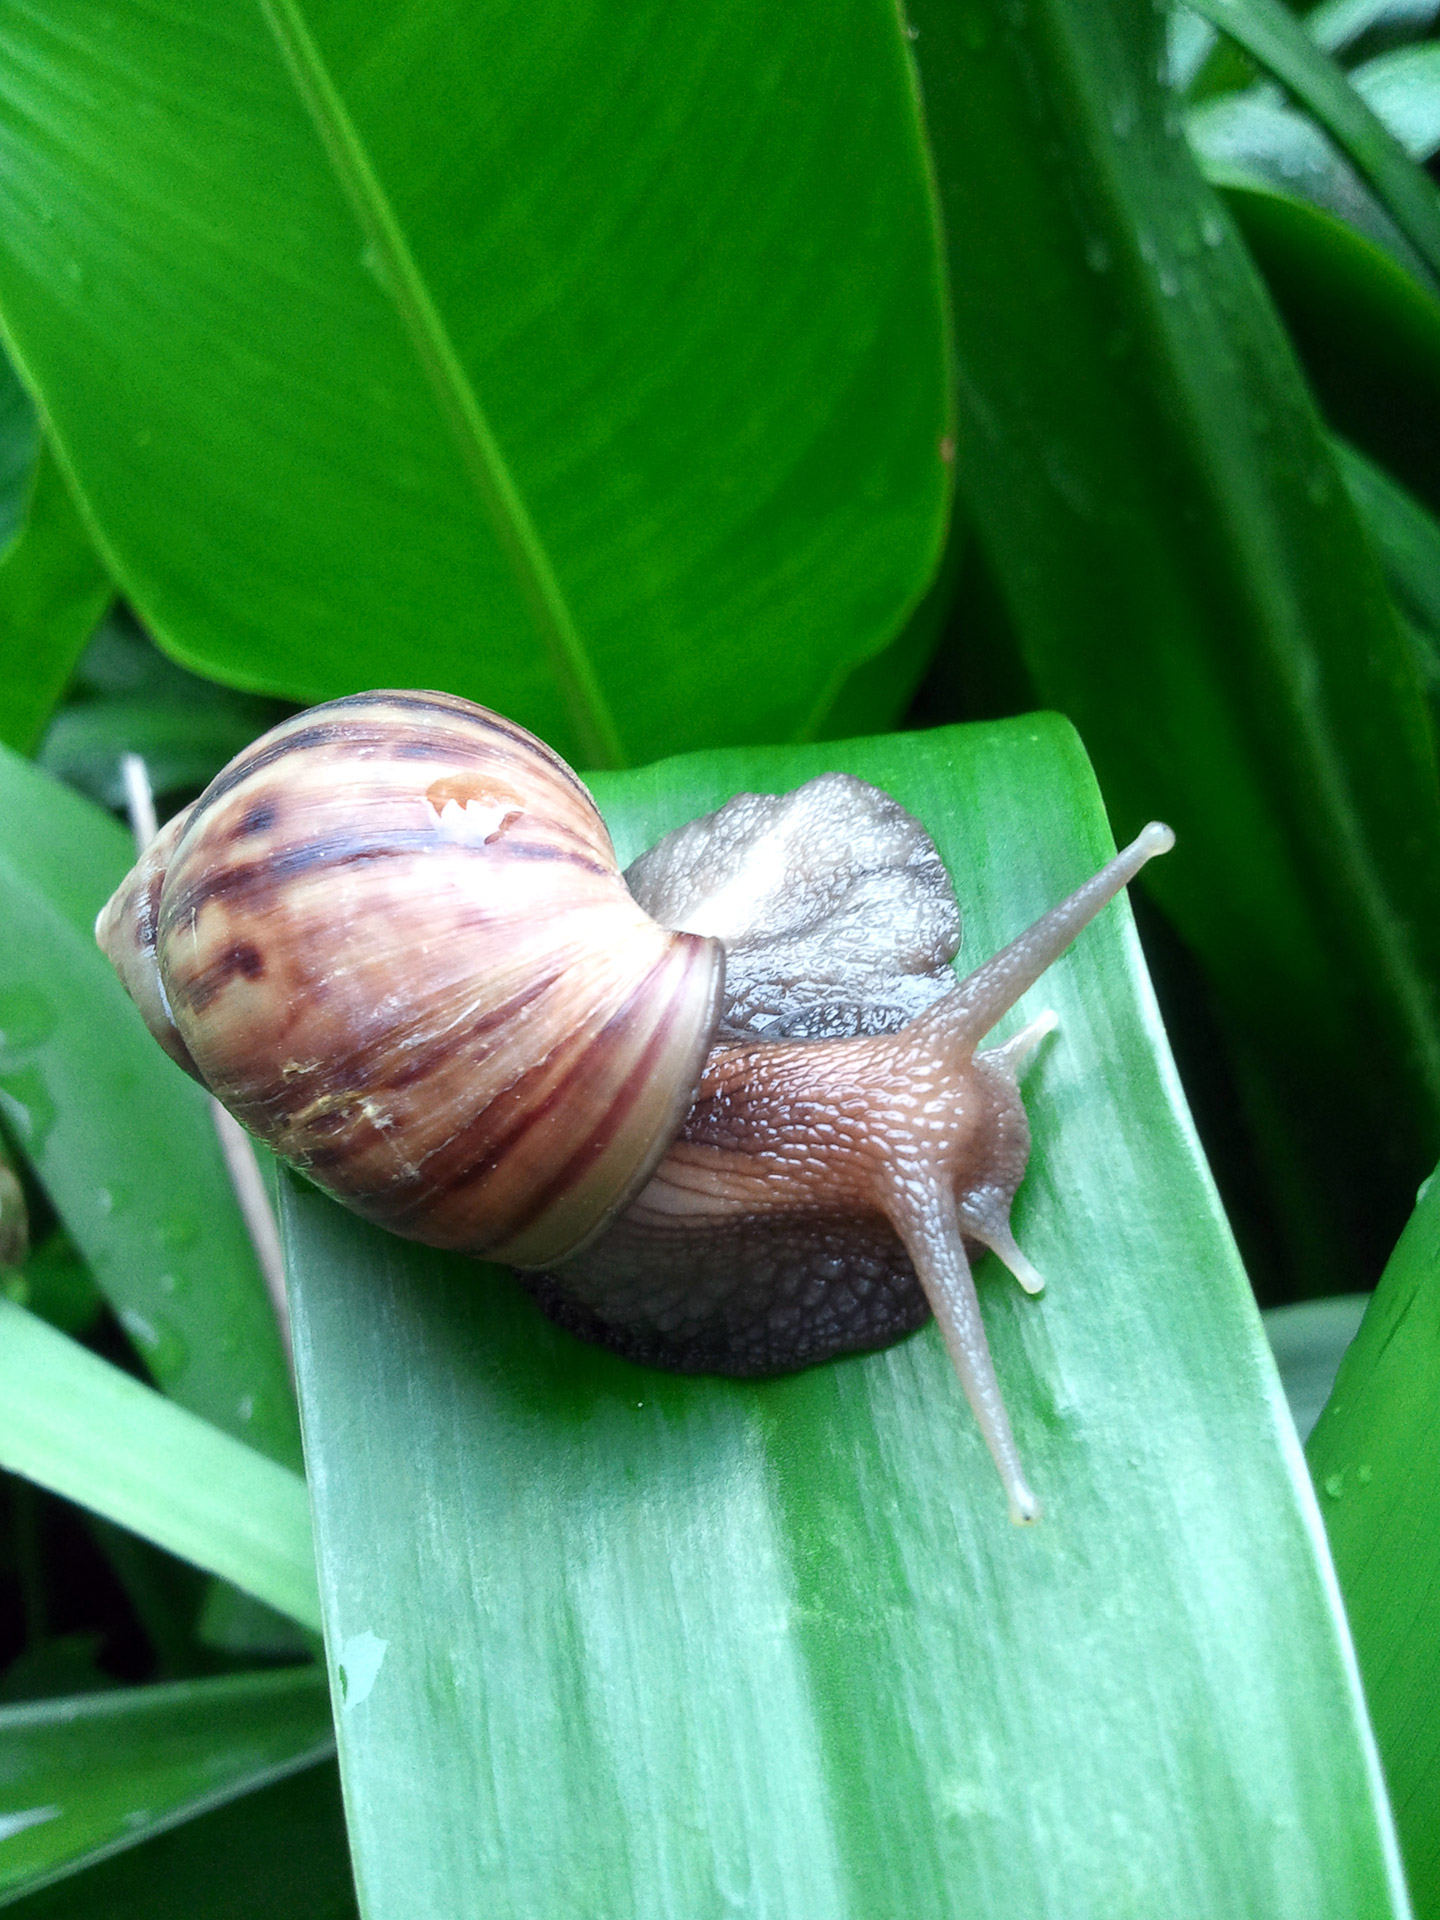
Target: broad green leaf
x=277 y=1854
x=1308 y=1340
x=83 y=1778
x=1272 y=35
x=73 y=1423
x=53 y=591
x=612 y=1642
x=1188 y=579
x=1377 y=1469
x=1368 y=335
x=183 y=745
x=121 y=1139
x=590 y=363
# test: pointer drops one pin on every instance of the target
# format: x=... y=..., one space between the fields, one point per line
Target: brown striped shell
x=392 y=938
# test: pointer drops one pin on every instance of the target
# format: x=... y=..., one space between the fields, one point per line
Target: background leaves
x=615 y=357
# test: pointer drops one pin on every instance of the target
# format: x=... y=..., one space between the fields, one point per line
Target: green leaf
x=73 y=1423
x=1377 y=1470
x=1156 y=495
x=277 y=1854
x=183 y=745
x=595 y=370
x=613 y=1642
x=82 y=1778
x=1272 y=35
x=121 y=1139
x=53 y=592
x=1407 y=540
x=1367 y=333
x=1253 y=142
x=1402 y=89
x=19 y=450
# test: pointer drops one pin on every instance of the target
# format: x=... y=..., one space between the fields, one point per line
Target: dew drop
x=178 y=1231
x=1335 y=1485
x=160 y=1344
x=1097 y=254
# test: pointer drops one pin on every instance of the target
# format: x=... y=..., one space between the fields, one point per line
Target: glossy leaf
x=1377 y=1469
x=1407 y=539
x=1338 y=295
x=121 y=1139
x=1189 y=583
x=1252 y=141
x=277 y=1854
x=612 y=1642
x=19 y=450
x=53 y=592
x=73 y=1423
x=594 y=370
x=83 y=1778
x=1272 y=35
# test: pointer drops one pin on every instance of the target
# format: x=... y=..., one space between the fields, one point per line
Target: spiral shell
x=392 y=938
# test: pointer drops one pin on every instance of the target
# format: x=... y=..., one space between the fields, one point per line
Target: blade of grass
x=120 y=1138
x=84 y=1778
x=73 y=1423
x=277 y=1854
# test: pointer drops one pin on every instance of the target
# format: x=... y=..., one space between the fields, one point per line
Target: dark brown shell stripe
x=251 y=884
x=658 y=1003
x=363 y=723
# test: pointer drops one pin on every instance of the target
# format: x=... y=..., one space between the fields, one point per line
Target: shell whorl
x=392 y=938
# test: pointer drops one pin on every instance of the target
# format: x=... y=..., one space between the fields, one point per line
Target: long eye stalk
x=934 y=1198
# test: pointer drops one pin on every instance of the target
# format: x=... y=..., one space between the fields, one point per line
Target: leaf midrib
x=480 y=450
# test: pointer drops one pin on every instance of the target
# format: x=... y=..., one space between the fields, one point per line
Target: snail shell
x=392 y=938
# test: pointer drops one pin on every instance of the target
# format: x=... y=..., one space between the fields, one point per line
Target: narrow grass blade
x=1377 y=1468
x=621 y=1644
x=85 y=1777
x=277 y=1854
x=120 y=1138
x=75 y=1424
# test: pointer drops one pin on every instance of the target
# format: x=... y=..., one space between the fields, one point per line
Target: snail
x=733 y=1117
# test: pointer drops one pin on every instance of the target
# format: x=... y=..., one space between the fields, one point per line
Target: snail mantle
x=728 y=1112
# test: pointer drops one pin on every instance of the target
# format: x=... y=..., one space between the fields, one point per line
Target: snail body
x=393 y=939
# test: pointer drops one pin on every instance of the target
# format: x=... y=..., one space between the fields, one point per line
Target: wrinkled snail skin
x=743 y=1131
x=850 y=1176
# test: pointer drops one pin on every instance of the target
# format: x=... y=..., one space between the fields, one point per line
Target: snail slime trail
x=732 y=1117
